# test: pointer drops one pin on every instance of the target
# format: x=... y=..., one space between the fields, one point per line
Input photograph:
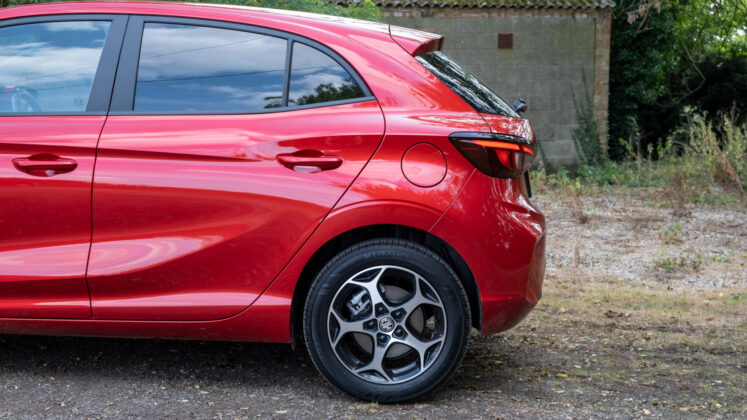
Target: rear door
x=216 y=164
x=56 y=76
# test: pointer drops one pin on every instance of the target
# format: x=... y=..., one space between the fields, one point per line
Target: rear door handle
x=309 y=161
x=44 y=164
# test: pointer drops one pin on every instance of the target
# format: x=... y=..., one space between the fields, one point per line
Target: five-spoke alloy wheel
x=387 y=320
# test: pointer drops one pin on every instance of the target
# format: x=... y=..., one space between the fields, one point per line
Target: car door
x=216 y=163
x=56 y=76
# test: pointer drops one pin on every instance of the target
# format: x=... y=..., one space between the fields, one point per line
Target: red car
x=221 y=173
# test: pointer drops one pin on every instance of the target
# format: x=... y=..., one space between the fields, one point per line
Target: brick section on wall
x=554 y=51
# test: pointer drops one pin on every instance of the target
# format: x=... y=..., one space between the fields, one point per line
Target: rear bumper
x=501 y=236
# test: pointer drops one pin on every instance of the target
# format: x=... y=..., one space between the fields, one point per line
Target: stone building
x=539 y=50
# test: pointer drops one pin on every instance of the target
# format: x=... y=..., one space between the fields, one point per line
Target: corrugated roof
x=491 y=4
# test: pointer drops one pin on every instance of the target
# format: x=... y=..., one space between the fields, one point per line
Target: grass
x=602 y=347
x=648 y=306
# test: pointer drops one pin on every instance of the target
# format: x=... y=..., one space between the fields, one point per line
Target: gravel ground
x=624 y=239
x=616 y=335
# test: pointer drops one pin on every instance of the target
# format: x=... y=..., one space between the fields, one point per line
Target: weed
x=586 y=134
x=675 y=194
x=706 y=162
x=576 y=205
x=694 y=165
x=671 y=234
x=679 y=263
x=667 y=264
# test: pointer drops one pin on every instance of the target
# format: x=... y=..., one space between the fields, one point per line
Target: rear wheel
x=387 y=320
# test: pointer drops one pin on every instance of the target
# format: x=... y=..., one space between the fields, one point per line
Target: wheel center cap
x=386 y=324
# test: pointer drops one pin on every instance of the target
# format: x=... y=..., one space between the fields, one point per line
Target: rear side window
x=465 y=84
x=49 y=67
x=197 y=68
x=317 y=78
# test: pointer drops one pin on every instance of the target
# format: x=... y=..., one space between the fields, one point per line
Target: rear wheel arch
x=347 y=239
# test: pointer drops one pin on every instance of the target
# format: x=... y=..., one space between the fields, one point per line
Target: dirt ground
x=643 y=315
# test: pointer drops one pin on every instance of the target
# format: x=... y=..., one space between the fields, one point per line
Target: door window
x=188 y=68
x=49 y=67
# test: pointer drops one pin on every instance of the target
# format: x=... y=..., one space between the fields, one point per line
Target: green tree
x=669 y=55
x=643 y=52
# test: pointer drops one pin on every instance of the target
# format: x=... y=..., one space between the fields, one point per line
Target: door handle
x=309 y=161
x=44 y=164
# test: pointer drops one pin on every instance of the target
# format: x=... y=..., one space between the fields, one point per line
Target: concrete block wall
x=554 y=51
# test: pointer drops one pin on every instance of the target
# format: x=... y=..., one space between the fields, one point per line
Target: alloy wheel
x=387 y=324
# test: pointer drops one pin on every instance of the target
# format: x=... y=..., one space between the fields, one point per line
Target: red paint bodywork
x=191 y=227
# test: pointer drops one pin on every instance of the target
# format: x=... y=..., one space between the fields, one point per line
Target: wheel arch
x=344 y=240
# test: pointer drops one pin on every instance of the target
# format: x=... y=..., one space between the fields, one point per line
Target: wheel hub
x=386 y=324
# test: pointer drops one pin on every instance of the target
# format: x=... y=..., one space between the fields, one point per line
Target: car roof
x=168 y=7
x=414 y=42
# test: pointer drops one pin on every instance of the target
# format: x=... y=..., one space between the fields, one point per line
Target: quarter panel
x=270 y=314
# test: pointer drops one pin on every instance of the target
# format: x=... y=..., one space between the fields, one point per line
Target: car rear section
x=448 y=238
x=483 y=201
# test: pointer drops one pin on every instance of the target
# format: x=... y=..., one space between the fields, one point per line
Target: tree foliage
x=328 y=92
x=669 y=56
x=365 y=9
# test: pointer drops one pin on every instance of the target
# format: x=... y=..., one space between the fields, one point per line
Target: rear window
x=316 y=77
x=465 y=84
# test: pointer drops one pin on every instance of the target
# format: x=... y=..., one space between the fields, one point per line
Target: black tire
x=442 y=318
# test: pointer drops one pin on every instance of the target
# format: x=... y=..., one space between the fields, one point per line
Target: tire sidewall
x=422 y=262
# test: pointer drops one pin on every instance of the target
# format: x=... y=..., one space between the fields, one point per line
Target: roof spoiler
x=416 y=42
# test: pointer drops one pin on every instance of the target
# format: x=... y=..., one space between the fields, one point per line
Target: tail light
x=496 y=155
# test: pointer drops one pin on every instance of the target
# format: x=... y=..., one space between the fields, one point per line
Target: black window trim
x=101 y=89
x=123 y=97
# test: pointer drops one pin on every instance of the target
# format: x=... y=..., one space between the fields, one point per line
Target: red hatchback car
x=222 y=173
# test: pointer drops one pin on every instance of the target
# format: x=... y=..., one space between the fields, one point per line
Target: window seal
x=288 y=66
x=267 y=111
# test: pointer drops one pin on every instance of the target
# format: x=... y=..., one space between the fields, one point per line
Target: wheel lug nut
x=370 y=324
x=381 y=309
x=399 y=332
x=382 y=338
x=398 y=314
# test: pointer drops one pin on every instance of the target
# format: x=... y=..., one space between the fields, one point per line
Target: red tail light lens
x=496 y=155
